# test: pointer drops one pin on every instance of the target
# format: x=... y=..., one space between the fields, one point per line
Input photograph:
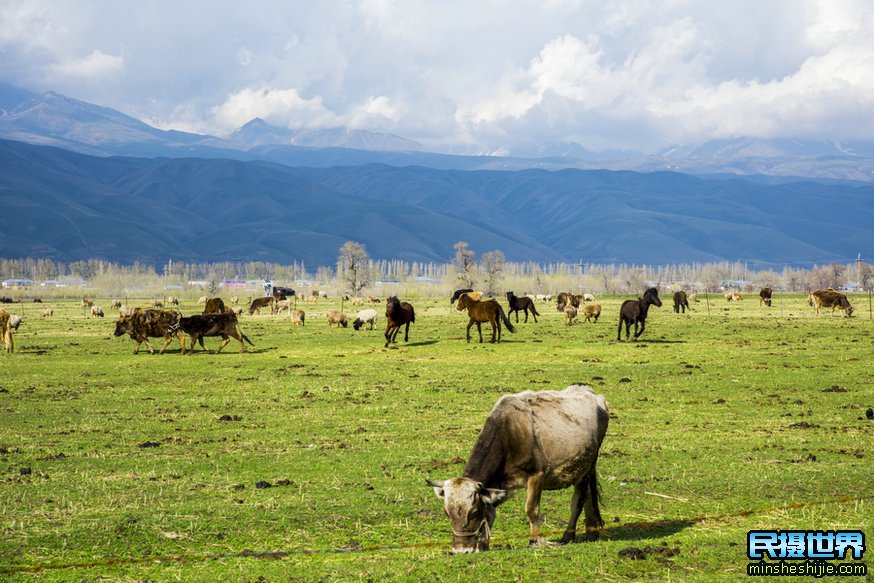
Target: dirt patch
x=803 y=425
x=638 y=554
x=835 y=389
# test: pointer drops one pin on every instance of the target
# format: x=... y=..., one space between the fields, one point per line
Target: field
x=306 y=458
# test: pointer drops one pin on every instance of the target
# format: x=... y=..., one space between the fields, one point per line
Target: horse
x=523 y=303
x=486 y=311
x=397 y=314
x=457 y=294
x=680 y=301
x=634 y=312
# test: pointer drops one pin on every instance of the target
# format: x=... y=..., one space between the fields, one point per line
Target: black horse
x=522 y=303
x=680 y=301
x=397 y=314
x=634 y=312
x=457 y=294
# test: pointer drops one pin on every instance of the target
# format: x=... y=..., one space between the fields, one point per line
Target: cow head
x=471 y=511
x=121 y=326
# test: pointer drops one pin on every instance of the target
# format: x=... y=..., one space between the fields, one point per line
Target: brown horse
x=486 y=311
x=518 y=304
x=397 y=314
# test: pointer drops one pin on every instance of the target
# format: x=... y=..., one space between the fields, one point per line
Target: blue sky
x=490 y=76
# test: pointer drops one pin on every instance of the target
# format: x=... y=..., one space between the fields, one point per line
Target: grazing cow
x=592 y=311
x=364 y=317
x=86 y=303
x=635 y=311
x=575 y=299
x=523 y=303
x=144 y=324
x=115 y=304
x=6 y=331
x=298 y=317
x=5 y=300
x=457 y=294
x=268 y=302
x=680 y=301
x=765 y=296
x=214 y=306
x=280 y=305
x=397 y=314
x=206 y=325
x=570 y=313
x=336 y=317
x=96 y=311
x=547 y=440
x=484 y=311
x=829 y=298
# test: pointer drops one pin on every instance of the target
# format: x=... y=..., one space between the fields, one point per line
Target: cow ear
x=493 y=496
x=438 y=487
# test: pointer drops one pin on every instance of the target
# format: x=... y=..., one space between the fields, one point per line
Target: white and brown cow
x=545 y=440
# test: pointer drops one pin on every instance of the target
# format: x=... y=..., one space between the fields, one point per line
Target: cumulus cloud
x=460 y=75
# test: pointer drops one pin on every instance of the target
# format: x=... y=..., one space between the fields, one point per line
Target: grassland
x=116 y=466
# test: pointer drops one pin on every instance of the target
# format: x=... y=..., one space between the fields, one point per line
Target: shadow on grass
x=422 y=343
x=645 y=530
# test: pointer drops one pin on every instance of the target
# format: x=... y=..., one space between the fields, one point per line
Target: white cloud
x=279 y=107
x=96 y=65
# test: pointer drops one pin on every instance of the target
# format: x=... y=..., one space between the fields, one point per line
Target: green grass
x=715 y=433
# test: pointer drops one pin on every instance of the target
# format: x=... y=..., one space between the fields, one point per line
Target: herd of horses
x=400 y=314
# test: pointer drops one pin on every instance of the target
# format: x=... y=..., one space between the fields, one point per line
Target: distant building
x=18 y=282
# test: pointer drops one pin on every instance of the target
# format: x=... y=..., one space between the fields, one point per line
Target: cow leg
x=225 y=340
x=532 y=509
x=577 y=502
x=149 y=346
x=167 y=340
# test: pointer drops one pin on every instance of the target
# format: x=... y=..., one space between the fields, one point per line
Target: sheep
x=237 y=311
x=173 y=301
x=357 y=301
x=588 y=298
x=738 y=297
x=693 y=297
x=48 y=313
x=544 y=297
x=323 y=295
x=124 y=310
x=86 y=303
x=729 y=297
x=14 y=321
x=115 y=304
x=363 y=317
x=96 y=311
x=570 y=313
x=374 y=300
x=235 y=300
x=202 y=300
x=592 y=311
x=157 y=304
x=336 y=317
x=312 y=299
x=298 y=317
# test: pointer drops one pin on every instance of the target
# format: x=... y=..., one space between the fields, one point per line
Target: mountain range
x=65 y=205
x=54 y=119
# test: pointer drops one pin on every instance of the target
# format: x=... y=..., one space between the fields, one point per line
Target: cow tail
x=594 y=492
x=505 y=319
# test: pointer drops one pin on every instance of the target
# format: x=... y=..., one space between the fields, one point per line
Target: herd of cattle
x=219 y=319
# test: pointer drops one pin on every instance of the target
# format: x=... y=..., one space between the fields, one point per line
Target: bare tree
x=352 y=267
x=464 y=264
x=866 y=275
x=492 y=267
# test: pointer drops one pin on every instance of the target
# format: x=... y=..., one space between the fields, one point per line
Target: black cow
x=203 y=325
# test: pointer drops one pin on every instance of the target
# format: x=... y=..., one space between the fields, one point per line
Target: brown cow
x=6 y=331
x=765 y=296
x=258 y=303
x=214 y=306
x=545 y=440
x=141 y=325
x=591 y=311
x=829 y=298
x=680 y=301
x=205 y=325
x=336 y=317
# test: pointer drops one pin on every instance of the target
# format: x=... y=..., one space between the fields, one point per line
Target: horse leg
x=469 y=324
x=642 y=328
x=387 y=335
x=479 y=328
x=495 y=330
x=407 y=332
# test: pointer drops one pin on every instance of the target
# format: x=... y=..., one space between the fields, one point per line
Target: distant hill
x=53 y=119
x=64 y=205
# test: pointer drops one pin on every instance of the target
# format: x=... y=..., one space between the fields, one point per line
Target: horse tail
x=412 y=314
x=505 y=319
x=533 y=309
